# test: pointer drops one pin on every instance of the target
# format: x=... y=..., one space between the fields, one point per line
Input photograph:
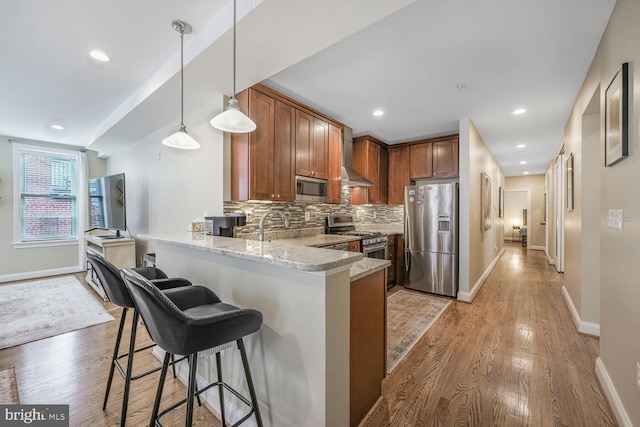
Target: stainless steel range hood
x=349 y=176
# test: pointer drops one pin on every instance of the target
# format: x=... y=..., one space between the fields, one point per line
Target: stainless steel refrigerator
x=431 y=238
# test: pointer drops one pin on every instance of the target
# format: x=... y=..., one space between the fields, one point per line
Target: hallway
x=512 y=358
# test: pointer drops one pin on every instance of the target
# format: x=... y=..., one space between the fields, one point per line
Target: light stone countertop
x=382 y=228
x=318 y=240
x=359 y=269
x=367 y=266
x=285 y=255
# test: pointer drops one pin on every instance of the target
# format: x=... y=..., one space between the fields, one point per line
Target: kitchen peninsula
x=300 y=358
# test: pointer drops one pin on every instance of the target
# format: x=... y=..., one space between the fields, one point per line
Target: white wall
x=167 y=187
x=619 y=269
x=478 y=248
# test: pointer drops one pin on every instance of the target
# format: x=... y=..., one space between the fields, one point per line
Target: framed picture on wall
x=485 y=200
x=570 y=182
x=616 y=137
x=500 y=203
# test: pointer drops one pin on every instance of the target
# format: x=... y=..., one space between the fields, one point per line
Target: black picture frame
x=616 y=137
x=570 y=182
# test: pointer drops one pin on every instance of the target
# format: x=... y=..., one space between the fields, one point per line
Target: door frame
x=559 y=171
x=528 y=207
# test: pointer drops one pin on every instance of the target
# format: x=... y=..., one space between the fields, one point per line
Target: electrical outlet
x=374 y=215
x=159 y=154
x=638 y=375
x=307 y=216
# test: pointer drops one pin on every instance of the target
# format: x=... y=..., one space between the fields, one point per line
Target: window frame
x=18 y=243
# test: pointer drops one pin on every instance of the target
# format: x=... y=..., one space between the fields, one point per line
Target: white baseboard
x=233 y=410
x=469 y=296
x=612 y=395
x=549 y=260
x=537 y=248
x=583 y=327
x=38 y=274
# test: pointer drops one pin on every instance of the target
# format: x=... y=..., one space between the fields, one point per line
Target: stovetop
x=344 y=225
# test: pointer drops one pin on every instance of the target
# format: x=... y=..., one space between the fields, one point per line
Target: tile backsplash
x=315 y=212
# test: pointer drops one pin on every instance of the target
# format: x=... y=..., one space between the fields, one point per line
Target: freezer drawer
x=436 y=273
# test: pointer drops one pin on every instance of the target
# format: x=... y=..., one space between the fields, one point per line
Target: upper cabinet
x=312 y=146
x=370 y=159
x=289 y=139
x=435 y=158
x=398 y=173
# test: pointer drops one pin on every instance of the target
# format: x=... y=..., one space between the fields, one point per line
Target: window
x=45 y=194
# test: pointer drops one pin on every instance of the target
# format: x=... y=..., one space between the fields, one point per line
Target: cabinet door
x=383 y=181
x=354 y=246
x=284 y=152
x=371 y=171
x=320 y=152
x=421 y=161
x=445 y=158
x=335 y=164
x=261 y=109
x=398 y=174
x=304 y=144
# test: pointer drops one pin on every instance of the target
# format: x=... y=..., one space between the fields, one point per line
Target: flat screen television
x=107 y=203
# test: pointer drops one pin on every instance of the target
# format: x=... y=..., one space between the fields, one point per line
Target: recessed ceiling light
x=525 y=173
x=99 y=55
x=524 y=162
x=57 y=127
x=521 y=145
x=519 y=111
x=378 y=113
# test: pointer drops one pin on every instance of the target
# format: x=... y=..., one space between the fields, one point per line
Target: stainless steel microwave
x=311 y=189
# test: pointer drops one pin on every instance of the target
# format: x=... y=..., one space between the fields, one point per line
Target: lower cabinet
x=368 y=348
x=354 y=246
x=395 y=254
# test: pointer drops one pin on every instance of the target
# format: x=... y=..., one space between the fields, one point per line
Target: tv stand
x=119 y=251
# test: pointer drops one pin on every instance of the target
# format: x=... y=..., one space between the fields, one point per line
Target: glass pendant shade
x=233 y=120
x=181 y=139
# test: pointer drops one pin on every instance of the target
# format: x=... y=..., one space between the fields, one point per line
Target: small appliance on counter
x=224 y=225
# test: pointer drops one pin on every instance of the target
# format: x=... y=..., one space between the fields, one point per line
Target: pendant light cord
x=233 y=94
x=181 y=78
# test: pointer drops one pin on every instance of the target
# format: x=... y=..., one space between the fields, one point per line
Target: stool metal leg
x=220 y=388
x=127 y=380
x=191 y=389
x=163 y=376
x=247 y=373
x=123 y=318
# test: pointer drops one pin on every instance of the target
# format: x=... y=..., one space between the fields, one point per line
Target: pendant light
x=181 y=139
x=232 y=119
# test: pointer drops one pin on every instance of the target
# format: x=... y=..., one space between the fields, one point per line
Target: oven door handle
x=371 y=248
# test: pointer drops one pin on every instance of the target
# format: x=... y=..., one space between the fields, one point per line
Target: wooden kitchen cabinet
x=391 y=256
x=334 y=194
x=399 y=239
x=368 y=343
x=434 y=158
x=289 y=139
x=262 y=161
x=354 y=246
x=398 y=174
x=312 y=146
x=370 y=159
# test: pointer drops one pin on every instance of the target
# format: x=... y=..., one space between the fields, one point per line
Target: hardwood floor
x=512 y=358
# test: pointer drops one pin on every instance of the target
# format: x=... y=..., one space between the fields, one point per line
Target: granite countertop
x=383 y=228
x=285 y=255
x=318 y=240
x=367 y=266
x=359 y=269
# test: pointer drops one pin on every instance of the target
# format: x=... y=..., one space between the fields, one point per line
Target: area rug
x=31 y=311
x=8 y=387
x=409 y=315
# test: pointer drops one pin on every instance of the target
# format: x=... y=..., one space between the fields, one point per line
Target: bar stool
x=115 y=289
x=190 y=320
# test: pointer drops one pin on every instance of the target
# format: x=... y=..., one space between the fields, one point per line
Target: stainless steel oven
x=376 y=250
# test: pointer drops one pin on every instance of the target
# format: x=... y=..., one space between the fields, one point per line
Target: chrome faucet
x=271 y=211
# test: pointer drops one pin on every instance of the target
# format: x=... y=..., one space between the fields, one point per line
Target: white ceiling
x=343 y=58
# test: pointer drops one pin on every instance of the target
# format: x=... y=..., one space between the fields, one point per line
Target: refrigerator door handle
x=407 y=260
